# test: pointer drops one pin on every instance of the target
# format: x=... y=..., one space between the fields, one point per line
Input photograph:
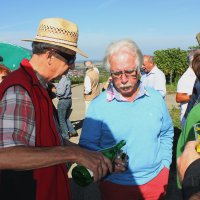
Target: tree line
x=173 y=62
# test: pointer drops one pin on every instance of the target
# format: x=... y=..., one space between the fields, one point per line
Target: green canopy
x=12 y=55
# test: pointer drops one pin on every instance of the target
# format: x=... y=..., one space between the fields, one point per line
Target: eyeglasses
x=128 y=73
x=69 y=58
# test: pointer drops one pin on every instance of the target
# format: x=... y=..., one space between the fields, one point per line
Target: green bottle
x=83 y=176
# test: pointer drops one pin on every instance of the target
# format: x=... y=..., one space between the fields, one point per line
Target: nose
x=124 y=79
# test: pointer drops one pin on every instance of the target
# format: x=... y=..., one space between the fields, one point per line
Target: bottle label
x=91 y=173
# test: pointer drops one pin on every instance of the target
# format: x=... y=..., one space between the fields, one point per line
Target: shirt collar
x=112 y=93
x=153 y=70
x=42 y=81
x=28 y=67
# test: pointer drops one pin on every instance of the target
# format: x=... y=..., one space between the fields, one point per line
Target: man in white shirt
x=185 y=86
x=153 y=77
x=91 y=83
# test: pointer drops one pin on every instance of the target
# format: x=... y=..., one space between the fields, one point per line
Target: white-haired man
x=127 y=110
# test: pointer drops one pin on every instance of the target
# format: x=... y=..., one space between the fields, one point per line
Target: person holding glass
x=188 y=132
x=127 y=110
x=188 y=166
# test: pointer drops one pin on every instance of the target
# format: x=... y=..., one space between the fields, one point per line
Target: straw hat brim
x=73 y=48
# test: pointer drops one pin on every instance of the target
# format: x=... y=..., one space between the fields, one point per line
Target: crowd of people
x=35 y=147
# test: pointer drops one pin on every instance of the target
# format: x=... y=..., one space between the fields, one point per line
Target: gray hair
x=40 y=47
x=125 y=44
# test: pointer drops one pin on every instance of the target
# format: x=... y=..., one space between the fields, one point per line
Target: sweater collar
x=112 y=93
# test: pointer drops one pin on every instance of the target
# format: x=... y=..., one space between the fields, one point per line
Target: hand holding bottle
x=95 y=162
x=188 y=156
x=120 y=162
x=83 y=176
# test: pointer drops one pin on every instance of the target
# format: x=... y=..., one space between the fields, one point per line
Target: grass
x=175 y=115
x=171 y=88
x=174 y=112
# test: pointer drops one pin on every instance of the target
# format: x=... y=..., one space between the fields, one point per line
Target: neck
x=39 y=66
x=152 y=68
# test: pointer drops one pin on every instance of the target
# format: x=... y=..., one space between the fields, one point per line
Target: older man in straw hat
x=31 y=144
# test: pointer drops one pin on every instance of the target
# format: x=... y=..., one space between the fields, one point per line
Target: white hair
x=125 y=44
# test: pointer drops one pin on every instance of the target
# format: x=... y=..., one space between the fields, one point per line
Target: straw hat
x=59 y=32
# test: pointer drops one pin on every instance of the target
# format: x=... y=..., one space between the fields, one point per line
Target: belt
x=65 y=98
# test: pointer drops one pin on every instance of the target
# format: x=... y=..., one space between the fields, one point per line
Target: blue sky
x=153 y=25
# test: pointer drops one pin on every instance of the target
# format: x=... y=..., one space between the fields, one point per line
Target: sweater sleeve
x=166 y=136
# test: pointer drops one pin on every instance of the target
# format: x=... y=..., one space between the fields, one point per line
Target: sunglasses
x=3 y=77
x=70 y=59
x=128 y=73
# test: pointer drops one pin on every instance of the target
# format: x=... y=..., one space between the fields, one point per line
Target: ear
x=49 y=57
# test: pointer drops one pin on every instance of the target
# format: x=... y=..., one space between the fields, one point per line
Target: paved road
x=91 y=192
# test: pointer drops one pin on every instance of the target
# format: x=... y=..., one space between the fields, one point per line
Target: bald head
x=148 y=63
x=88 y=64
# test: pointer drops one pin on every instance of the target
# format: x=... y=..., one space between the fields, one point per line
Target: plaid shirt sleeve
x=17 y=118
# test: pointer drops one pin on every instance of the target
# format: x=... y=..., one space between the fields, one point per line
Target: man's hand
x=119 y=165
x=188 y=156
x=95 y=161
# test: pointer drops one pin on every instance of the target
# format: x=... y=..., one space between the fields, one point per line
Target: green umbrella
x=12 y=55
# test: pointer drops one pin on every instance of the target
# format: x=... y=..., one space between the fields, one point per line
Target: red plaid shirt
x=17 y=118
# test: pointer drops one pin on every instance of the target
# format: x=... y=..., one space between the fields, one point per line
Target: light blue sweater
x=146 y=126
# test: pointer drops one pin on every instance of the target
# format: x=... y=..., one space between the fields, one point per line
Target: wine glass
x=197 y=135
